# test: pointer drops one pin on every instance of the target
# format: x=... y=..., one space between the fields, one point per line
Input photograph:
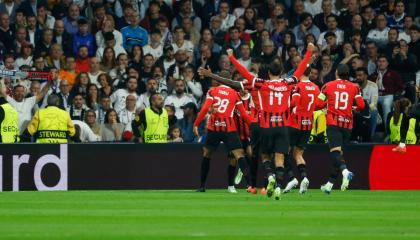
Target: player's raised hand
x=311 y=47
x=229 y=52
x=204 y=72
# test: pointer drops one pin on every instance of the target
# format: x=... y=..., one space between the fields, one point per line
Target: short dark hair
x=362 y=69
x=233 y=28
x=343 y=71
x=275 y=69
x=305 y=15
x=151 y=97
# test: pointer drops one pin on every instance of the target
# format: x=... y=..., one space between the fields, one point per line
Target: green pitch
x=211 y=215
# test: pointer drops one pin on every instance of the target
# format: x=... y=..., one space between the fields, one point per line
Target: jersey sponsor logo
x=343 y=119
x=306 y=122
x=276 y=119
x=278 y=89
x=220 y=123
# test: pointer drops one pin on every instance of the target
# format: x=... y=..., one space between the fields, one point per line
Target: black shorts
x=230 y=139
x=275 y=140
x=255 y=136
x=337 y=136
x=299 y=138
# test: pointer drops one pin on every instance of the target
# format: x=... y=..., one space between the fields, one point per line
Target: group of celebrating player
x=277 y=116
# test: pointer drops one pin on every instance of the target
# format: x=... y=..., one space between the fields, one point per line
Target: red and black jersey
x=274 y=100
x=304 y=95
x=340 y=95
x=224 y=101
x=243 y=126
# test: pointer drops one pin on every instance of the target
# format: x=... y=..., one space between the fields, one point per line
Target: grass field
x=211 y=215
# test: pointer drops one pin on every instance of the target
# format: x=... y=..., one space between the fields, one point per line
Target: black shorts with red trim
x=230 y=139
x=337 y=136
x=255 y=136
x=299 y=138
x=275 y=140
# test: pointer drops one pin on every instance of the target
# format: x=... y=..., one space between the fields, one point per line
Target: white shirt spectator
x=94 y=78
x=86 y=133
x=338 y=33
x=100 y=41
x=21 y=61
x=378 y=36
x=370 y=94
x=126 y=116
x=402 y=36
x=156 y=52
x=144 y=100
x=178 y=102
x=313 y=7
x=118 y=49
x=24 y=110
x=245 y=63
x=187 y=45
x=227 y=22
x=118 y=99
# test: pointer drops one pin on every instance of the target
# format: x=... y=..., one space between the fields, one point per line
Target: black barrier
x=135 y=166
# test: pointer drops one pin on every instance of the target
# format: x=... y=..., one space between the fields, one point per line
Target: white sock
x=345 y=172
x=402 y=145
x=329 y=184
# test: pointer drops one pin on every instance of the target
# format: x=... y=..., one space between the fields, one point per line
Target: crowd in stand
x=106 y=58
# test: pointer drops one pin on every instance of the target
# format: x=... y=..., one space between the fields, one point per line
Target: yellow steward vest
x=156 y=126
x=52 y=126
x=9 y=127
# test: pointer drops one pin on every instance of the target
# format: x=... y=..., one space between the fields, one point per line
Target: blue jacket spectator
x=134 y=34
x=84 y=38
x=70 y=21
x=397 y=19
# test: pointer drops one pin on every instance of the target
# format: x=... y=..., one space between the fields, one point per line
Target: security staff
x=52 y=124
x=9 y=129
x=151 y=125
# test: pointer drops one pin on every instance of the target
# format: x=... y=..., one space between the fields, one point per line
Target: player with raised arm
x=274 y=103
x=221 y=127
x=303 y=102
x=338 y=96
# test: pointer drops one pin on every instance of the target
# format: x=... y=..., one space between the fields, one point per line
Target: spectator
x=207 y=38
x=71 y=20
x=152 y=17
x=234 y=42
x=250 y=17
x=191 y=34
x=313 y=7
x=84 y=38
x=406 y=65
x=155 y=48
x=85 y=133
x=245 y=58
x=186 y=124
x=83 y=60
x=347 y=14
x=25 y=57
x=119 y=73
x=356 y=27
x=216 y=29
x=146 y=70
x=405 y=33
x=127 y=115
x=108 y=26
x=193 y=87
x=112 y=128
x=136 y=57
x=278 y=33
x=7 y=32
x=180 y=42
x=270 y=23
x=320 y=19
x=134 y=34
x=92 y=97
x=92 y=123
x=228 y=20
x=68 y=73
x=372 y=56
x=166 y=38
x=380 y=33
x=306 y=26
x=62 y=38
x=175 y=71
x=78 y=109
x=370 y=95
x=55 y=58
x=186 y=11
x=392 y=42
x=171 y=115
x=239 y=11
x=39 y=64
x=396 y=20
x=110 y=42
x=94 y=70
x=175 y=135
x=81 y=85
x=179 y=98
x=297 y=15
x=45 y=21
x=34 y=34
x=108 y=59
x=414 y=45
x=144 y=99
x=389 y=84
x=331 y=27
x=9 y=7
x=105 y=83
x=29 y=7
x=119 y=96
x=103 y=108
x=24 y=105
x=327 y=71
x=20 y=40
x=162 y=88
